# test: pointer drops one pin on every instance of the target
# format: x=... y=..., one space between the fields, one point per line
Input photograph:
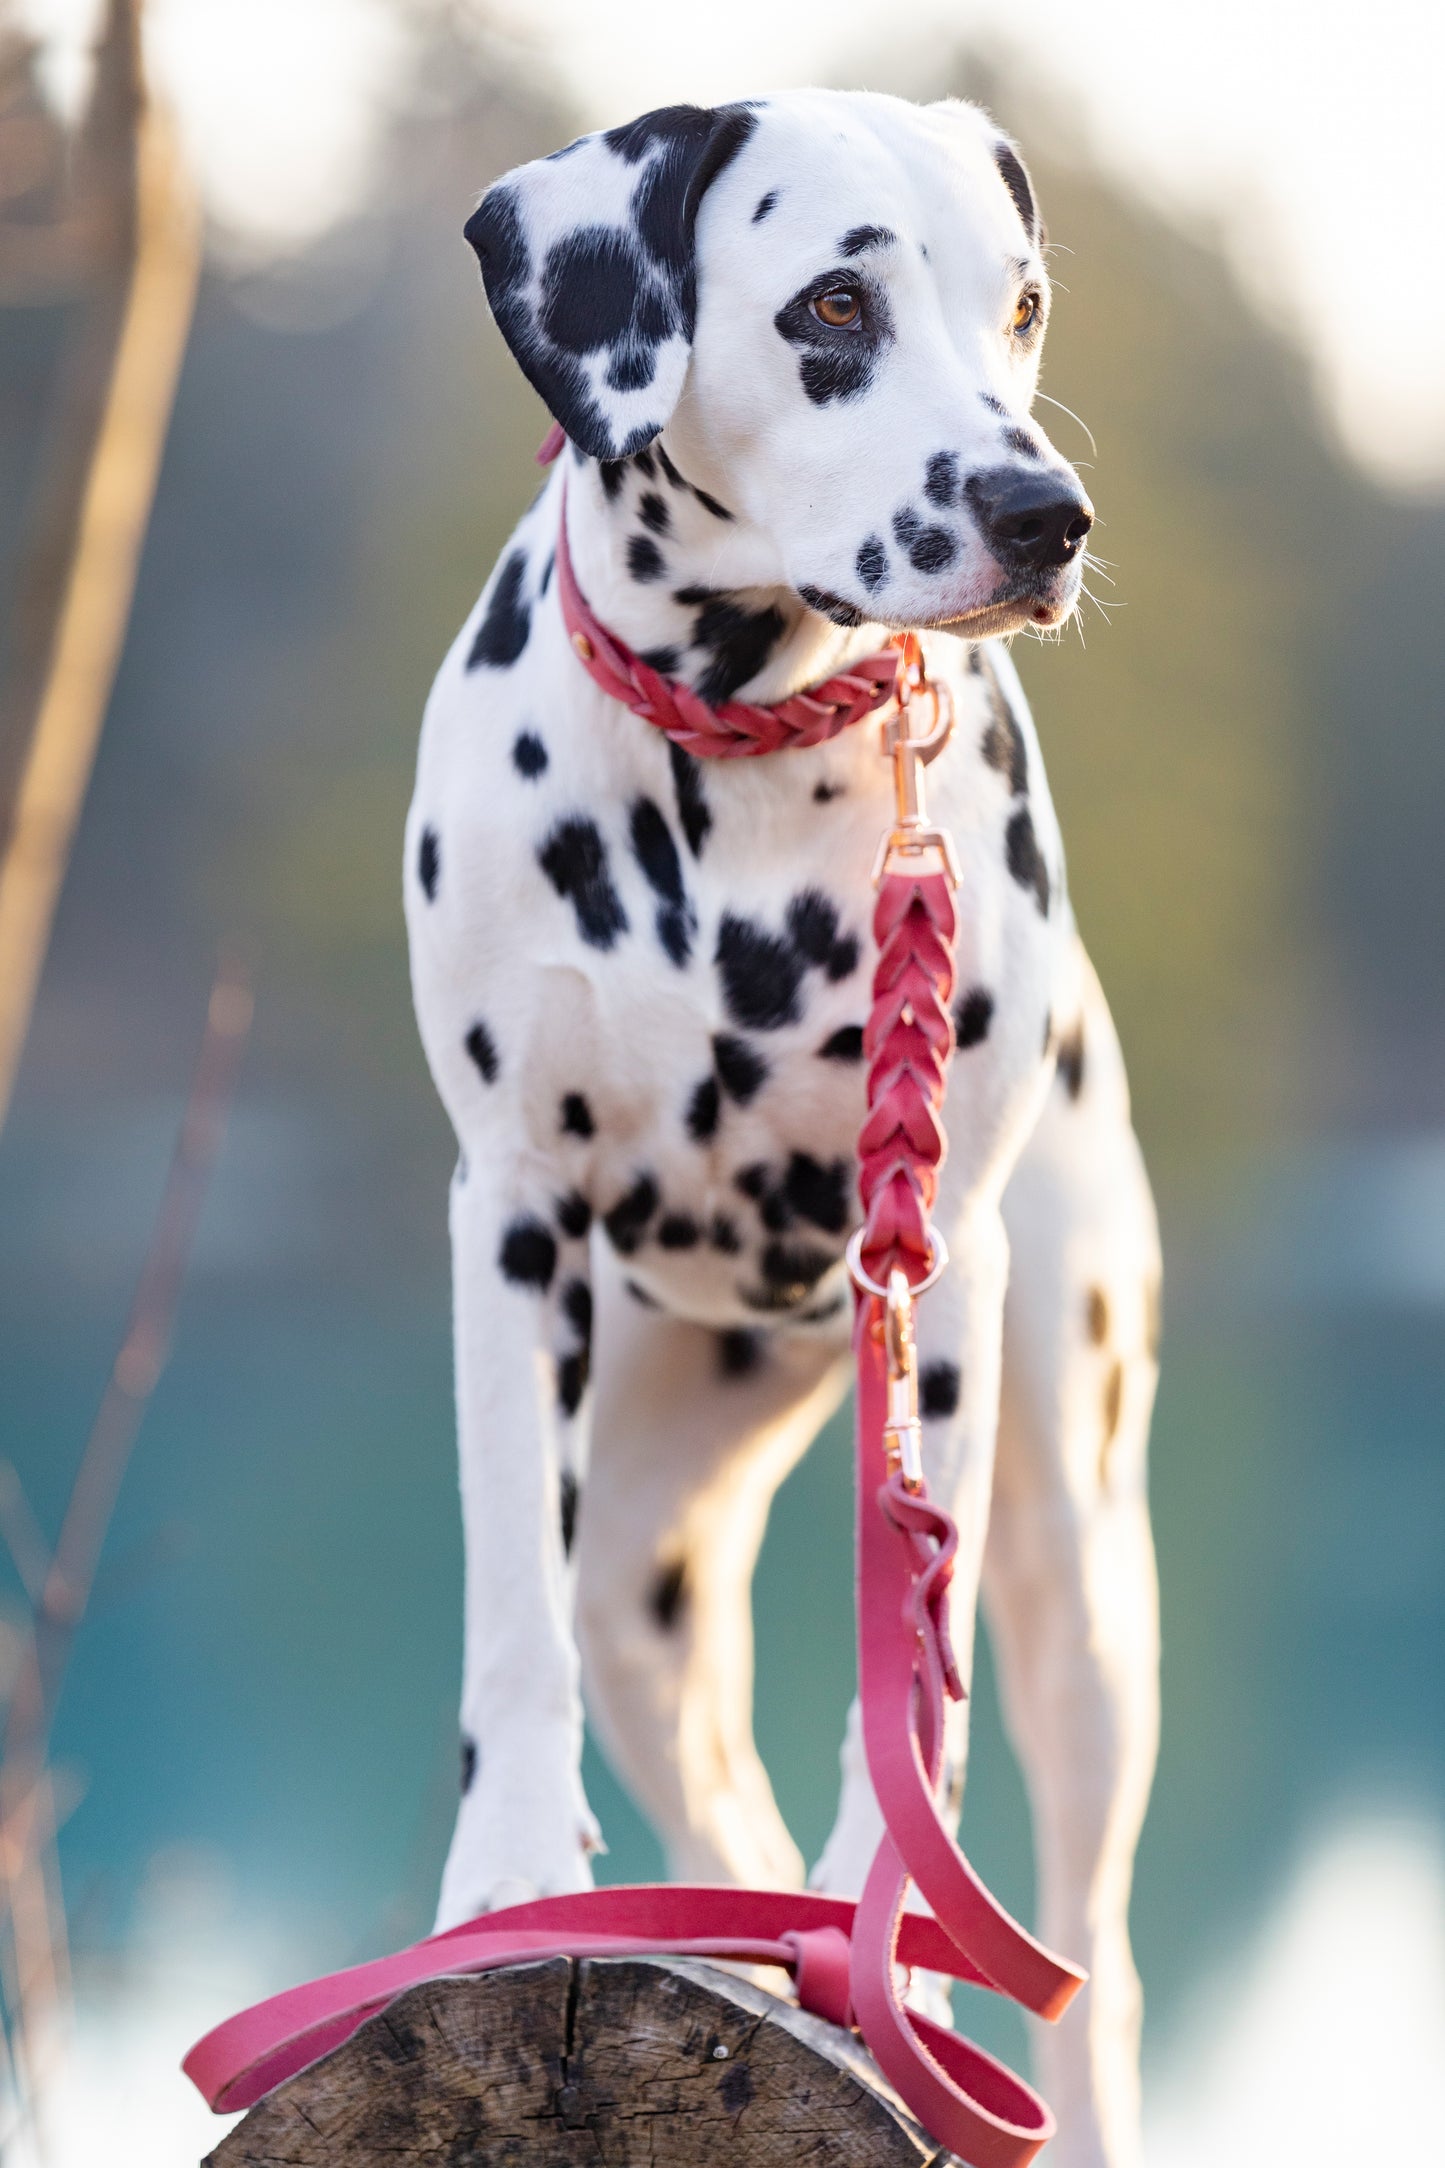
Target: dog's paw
x=517 y=1839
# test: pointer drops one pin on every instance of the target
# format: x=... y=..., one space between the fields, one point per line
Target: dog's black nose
x=1030 y=519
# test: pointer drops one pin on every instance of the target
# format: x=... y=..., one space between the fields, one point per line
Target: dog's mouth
x=1038 y=601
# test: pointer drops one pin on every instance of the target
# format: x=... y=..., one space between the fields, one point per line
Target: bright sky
x=1307 y=133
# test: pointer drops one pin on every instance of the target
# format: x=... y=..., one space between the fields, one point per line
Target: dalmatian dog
x=794 y=346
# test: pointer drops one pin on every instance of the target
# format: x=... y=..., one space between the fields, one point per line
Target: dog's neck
x=691 y=586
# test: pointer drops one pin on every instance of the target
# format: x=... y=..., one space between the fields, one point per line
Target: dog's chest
x=666 y=967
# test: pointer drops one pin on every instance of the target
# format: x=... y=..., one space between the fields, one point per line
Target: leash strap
x=844 y=1959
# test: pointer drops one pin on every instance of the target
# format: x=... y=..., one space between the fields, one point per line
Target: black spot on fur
x=429 y=863
x=831 y=606
x=577 y=1308
x=752 y=1180
x=574 y=859
x=1020 y=441
x=529 y=1253
x=1026 y=860
x=627 y=1222
x=791 y=1270
x=812 y=922
x=652 y=511
x=995 y=406
x=574 y=1214
x=775 y=1208
x=678 y=1231
x=668 y=1594
x=703 y=1110
x=836 y=363
x=644 y=558
x=1071 y=1058
x=469 y=1759
x=597 y=292
x=739 y=1353
x=692 y=806
x=502 y=634
x=760 y=975
x=547 y=570
x=1016 y=181
x=656 y=853
x=764 y=205
x=813 y=928
x=483 y=1049
x=664 y=660
x=825 y=793
x=740 y=1067
x=929 y=549
x=613 y=473
x=529 y=755
x=1003 y=740
x=1096 y=1315
x=680 y=481
x=645 y=464
x=571 y=1498
x=738 y=640
x=972 y=1015
x=641 y=1297
x=576 y=1116
x=817 y=1193
x=938 y=1388
x=573 y=1371
x=845 y=1044
x=859 y=238
x=871 y=563
x=723 y=1235
x=942 y=483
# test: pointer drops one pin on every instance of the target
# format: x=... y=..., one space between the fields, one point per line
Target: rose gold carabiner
x=910 y=749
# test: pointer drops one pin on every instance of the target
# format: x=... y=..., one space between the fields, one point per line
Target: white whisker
x=1073 y=417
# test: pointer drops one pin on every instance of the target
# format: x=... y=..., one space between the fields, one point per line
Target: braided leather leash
x=844 y=1958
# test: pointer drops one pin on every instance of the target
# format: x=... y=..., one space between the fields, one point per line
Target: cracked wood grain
x=592 y=2063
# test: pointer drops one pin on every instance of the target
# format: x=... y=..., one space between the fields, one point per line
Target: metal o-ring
x=938 y=1261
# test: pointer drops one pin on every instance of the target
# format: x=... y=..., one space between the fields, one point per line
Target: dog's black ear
x=589 y=264
x=1015 y=177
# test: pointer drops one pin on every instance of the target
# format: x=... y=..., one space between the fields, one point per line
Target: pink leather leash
x=844 y=1958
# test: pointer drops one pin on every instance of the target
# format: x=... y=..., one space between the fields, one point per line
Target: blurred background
x=253 y=1766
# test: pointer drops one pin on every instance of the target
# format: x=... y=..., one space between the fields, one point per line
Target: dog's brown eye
x=1026 y=313
x=838 y=309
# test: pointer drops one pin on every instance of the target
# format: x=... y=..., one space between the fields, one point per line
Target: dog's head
x=835 y=305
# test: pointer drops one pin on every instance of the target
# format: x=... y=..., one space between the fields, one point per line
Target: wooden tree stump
x=601 y=2062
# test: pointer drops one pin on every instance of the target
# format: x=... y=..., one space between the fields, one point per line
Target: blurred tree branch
x=132 y=226
x=34 y=1964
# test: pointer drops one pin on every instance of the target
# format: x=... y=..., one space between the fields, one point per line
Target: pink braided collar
x=738 y=726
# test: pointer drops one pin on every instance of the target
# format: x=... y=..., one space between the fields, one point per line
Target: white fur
x=682 y=1458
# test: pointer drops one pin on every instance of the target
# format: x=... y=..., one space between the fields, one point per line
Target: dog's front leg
x=522 y=1319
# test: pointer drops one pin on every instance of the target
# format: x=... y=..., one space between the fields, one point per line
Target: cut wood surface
x=609 y=2062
